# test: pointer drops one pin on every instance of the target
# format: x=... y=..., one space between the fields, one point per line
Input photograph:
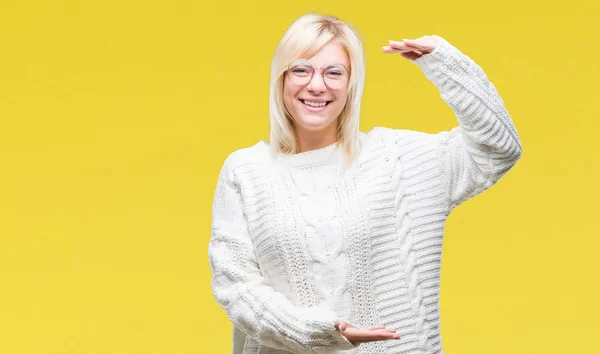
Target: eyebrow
x=327 y=66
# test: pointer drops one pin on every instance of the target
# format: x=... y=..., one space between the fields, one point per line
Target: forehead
x=331 y=53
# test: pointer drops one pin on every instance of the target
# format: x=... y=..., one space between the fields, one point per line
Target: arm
x=239 y=288
x=485 y=145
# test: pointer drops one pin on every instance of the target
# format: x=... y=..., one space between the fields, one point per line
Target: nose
x=316 y=84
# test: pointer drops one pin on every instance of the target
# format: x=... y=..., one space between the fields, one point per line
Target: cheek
x=288 y=98
x=290 y=106
x=341 y=102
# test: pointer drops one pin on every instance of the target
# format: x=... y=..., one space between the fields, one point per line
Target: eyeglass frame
x=314 y=70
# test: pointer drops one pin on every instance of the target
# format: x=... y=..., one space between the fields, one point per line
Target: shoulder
x=408 y=144
x=248 y=155
x=244 y=157
x=389 y=136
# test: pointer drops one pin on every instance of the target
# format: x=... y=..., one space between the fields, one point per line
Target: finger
x=377 y=327
x=409 y=46
x=364 y=334
x=406 y=44
x=351 y=325
x=341 y=325
x=399 y=45
x=368 y=341
x=411 y=43
x=389 y=49
x=373 y=339
x=381 y=328
x=371 y=330
x=420 y=48
x=410 y=54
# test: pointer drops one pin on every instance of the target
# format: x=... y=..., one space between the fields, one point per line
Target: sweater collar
x=330 y=154
x=325 y=155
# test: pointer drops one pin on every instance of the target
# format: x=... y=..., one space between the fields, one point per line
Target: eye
x=300 y=71
x=335 y=73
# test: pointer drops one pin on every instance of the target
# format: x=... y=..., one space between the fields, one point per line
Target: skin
x=315 y=130
x=318 y=129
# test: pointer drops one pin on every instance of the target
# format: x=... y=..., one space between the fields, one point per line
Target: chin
x=315 y=123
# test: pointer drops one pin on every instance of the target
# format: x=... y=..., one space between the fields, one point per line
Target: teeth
x=314 y=104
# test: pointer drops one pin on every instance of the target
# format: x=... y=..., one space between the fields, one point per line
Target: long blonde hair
x=304 y=38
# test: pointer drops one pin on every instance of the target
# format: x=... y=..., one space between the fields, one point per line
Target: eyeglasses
x=334 y=76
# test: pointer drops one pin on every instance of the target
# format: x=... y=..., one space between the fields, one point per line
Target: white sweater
x=296 y=243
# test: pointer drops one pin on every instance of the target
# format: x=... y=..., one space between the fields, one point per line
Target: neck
x=313 y=140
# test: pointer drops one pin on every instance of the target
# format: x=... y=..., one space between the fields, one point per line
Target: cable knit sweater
x=297 y=242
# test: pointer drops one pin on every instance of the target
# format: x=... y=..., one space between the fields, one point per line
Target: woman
x=329 y=238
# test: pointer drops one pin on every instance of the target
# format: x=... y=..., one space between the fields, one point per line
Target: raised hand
x=412 y=48
x=363 y=335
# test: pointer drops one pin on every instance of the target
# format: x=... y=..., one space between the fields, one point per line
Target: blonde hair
x=304 y=38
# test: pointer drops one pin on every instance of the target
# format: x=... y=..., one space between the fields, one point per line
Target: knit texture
x=298 y=242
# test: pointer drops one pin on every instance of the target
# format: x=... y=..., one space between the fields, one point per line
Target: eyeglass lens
x=335 y=76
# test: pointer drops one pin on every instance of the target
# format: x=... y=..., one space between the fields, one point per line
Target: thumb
x=415 y=54
x=341 y=325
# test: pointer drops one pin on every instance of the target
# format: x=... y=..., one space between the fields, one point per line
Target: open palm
x=412 y=48
x=358 y=335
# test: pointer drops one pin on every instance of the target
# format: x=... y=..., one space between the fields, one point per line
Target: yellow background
x=117 y=115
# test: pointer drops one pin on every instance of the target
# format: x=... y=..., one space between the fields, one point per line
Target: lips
x=314 y=101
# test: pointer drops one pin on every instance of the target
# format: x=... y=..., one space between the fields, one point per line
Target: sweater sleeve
x=485 y=144
x=238 y=286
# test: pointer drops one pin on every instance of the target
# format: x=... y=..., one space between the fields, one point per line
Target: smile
x=314 y=105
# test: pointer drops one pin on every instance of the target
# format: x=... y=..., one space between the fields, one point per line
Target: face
x=317 y=119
